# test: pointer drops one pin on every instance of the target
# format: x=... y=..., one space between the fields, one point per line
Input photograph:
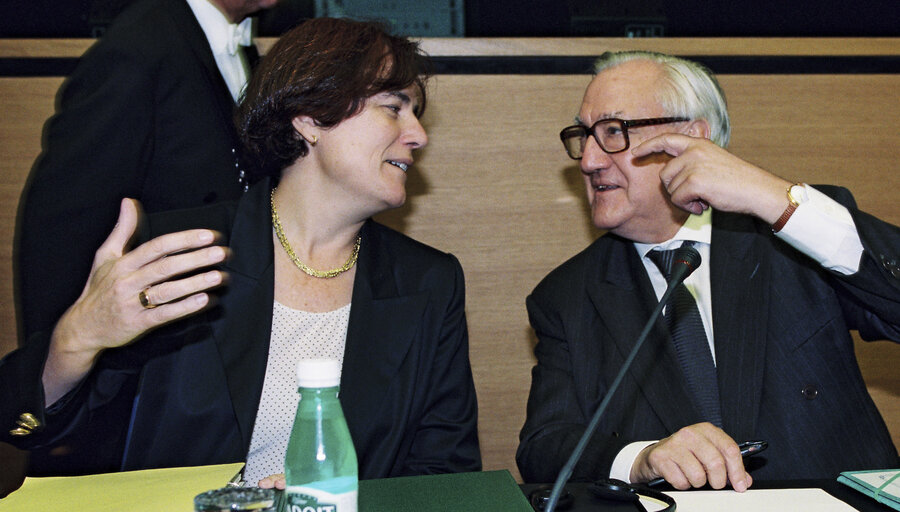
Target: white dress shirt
x=224 y=38
x=820 y=227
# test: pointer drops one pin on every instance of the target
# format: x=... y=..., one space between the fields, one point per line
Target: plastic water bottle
x=320 y=463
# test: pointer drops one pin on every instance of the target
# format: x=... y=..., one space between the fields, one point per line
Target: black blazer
x=787 y=372
x=145 y=114
x=190 y=391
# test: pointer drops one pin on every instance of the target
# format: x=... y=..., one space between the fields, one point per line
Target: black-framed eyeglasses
x=611 y=134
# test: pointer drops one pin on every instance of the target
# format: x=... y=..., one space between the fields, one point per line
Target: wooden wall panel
x=495 y=188
x=25 y=104
x=475 y=46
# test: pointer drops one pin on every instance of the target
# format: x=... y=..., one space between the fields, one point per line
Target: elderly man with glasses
x=754 y=345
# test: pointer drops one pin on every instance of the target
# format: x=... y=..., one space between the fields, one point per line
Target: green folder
x=882 y=485
x=496 y=491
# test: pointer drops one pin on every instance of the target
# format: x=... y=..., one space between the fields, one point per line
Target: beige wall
x=495 y=188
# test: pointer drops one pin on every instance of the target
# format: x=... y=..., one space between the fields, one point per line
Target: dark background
x=560 y=18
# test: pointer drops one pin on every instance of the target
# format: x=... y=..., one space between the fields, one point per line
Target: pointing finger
x=671 y=143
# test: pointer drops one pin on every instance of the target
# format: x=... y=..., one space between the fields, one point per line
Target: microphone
x=685 y=260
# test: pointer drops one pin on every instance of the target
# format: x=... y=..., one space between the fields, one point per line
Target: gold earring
x=315 y=139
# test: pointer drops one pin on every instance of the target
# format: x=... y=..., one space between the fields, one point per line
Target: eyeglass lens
x=609 y=133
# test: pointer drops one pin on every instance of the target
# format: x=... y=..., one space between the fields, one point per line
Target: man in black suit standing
x=787 y=271
x=147 y=114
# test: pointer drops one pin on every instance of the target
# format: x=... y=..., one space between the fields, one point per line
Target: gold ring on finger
x=145 y=300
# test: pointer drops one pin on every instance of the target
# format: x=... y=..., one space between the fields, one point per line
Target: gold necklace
x=322 y=274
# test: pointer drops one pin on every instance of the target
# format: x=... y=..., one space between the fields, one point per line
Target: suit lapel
x=189 y=29
x=252 y=55
x=377 y=343
x=623 y=299
x=740 y=282
x=242 y=324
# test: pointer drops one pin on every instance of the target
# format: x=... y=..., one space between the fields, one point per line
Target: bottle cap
x=318 y=373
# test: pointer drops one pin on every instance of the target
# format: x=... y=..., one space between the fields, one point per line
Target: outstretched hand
x=703 y=174
x=110 y=312
x=692 y=457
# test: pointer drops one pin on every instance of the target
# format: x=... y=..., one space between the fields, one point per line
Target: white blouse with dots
x=296 y=335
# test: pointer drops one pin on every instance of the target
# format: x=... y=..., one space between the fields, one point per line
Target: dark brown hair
x=324 y=68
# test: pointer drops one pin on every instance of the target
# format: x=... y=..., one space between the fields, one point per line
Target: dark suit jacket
x=786 y=367
x=145 y=114
x=190 y=391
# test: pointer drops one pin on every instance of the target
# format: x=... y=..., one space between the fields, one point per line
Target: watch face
x=798 y=194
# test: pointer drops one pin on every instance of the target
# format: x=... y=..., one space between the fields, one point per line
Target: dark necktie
x=691 y=345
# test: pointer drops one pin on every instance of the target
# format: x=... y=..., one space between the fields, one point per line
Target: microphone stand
x=685 y=260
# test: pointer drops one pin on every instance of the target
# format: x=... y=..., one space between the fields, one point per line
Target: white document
x=754 y=500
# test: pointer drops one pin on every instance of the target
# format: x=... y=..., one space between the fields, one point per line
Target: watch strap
x=791 y=207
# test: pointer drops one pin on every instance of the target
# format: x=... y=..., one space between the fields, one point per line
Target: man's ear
x=699 y=128
x=307 y=128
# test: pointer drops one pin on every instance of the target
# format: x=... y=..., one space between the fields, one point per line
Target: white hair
x=690 y=89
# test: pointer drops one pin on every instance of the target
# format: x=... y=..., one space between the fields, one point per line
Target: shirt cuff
x=823 y=229
x=621 y=466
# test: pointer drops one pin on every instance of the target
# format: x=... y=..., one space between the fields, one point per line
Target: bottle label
x=310 y=499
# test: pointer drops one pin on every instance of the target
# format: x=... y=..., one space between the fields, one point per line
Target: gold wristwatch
x=796 y=194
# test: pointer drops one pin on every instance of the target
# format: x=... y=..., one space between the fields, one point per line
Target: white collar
x=223 y=36
x=697 y=228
